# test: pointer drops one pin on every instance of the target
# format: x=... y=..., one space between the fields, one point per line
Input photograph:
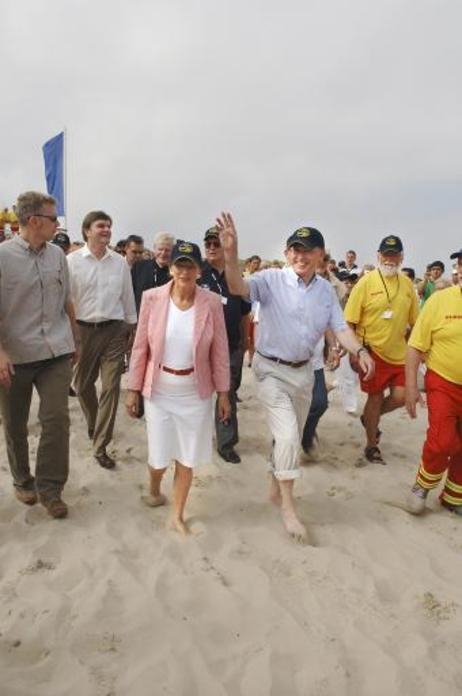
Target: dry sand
x=109 y=603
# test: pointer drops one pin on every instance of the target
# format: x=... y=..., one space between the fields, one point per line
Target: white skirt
x=179 y=423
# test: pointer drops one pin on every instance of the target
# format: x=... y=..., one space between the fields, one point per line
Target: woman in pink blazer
x=179 y=360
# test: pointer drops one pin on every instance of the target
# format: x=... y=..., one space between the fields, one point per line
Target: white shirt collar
x=295 y=280
x=86 y=252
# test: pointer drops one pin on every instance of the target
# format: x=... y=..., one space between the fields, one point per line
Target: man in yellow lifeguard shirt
x=437 y=336
x=382 y=308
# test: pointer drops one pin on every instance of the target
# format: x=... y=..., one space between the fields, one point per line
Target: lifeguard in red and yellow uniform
x=437 y=338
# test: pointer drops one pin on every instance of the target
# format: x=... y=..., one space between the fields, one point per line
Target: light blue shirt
x=293 y=315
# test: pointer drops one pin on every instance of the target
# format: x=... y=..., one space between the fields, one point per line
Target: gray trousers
x=52 y=379
x=102 y=355
x=227 y=434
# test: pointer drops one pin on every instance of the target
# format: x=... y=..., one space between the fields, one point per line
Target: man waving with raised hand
x=296 y=308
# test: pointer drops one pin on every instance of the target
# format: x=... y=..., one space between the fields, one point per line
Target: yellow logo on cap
x=185 y=248
x=304 y=232
x=391 y=241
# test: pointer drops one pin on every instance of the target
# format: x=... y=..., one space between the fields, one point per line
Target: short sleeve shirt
x=438 y=333
x=383 y=309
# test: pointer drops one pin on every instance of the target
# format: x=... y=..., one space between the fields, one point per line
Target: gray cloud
x=345 y=115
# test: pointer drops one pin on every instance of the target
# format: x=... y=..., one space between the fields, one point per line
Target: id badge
x=388 y=313
x=224 y=300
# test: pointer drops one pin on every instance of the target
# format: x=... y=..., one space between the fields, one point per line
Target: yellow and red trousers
x=442 y=450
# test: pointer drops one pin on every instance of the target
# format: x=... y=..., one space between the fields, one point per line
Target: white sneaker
x=415 y=500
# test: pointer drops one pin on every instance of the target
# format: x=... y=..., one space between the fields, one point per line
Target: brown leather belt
x=179 y=373
x=98 y=324
x=279 y=361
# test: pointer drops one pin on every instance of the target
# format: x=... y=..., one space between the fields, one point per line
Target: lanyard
x=390 y=299
x=219 y=286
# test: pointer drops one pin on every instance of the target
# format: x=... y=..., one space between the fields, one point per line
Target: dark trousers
x=52 y=379
x=227 y=434
x=319 y=405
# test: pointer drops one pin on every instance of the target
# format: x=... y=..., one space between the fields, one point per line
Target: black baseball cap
x=62 y=240
x=456 y=255
x=309 y=237
x=186 y=250
x=212 y=232
x=348 y=275
x=391 y=243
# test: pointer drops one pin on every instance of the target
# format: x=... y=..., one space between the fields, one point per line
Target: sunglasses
x=53 y=218
x=212 y=243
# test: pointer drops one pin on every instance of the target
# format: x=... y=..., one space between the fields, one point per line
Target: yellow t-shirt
x=383 y=309
x=438 y=333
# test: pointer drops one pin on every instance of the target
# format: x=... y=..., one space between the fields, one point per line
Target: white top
x=101 y=289
x=178 y=352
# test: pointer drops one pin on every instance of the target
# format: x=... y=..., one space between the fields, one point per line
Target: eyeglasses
x=212 y=243
x=53 y=218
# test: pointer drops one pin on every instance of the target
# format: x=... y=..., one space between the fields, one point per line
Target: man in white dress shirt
x=102 y=293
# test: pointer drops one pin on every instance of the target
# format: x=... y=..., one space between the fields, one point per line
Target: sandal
x=374 y=455
x=378 y=434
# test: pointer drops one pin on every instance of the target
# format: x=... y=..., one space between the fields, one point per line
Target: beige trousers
x=285 y=393
x=102 y=355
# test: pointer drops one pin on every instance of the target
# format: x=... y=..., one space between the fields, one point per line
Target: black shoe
x=72 y=392
x=105 y=461
x=90 y=433
x=230 y=455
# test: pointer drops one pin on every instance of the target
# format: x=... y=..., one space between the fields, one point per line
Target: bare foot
x=179 y=526
x=293 y=525
x=275 y=492
x=154 y=500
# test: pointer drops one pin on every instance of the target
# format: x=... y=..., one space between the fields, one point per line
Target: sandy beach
x=108 y=603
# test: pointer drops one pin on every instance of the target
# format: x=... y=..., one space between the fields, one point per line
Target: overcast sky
x=344 y=115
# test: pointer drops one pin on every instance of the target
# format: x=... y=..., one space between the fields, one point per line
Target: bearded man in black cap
x=382 y=308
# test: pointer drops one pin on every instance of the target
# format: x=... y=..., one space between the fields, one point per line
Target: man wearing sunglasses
x=236 y=312
x=37 y=348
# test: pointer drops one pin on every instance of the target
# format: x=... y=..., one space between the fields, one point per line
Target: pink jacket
x=211 y=352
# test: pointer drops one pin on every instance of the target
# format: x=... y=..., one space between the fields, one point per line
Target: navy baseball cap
x=391 y=243
x=186 y=250
x=348 y=275
x=212 y=232
x=309 y=237
x=62 y=240
x=456 y=255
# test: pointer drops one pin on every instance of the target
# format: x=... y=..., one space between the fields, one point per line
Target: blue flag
x=53 y=154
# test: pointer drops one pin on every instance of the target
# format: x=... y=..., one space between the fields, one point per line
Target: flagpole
x=66 y=201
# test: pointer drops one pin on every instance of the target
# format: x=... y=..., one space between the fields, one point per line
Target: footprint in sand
x=435 y=610
x=37 y=567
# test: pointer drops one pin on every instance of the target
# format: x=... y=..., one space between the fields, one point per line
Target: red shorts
x=386 y=375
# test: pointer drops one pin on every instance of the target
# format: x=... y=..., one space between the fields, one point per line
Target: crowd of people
x=75 y=315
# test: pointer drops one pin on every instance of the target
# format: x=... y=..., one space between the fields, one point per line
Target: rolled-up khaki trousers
x=285 y=392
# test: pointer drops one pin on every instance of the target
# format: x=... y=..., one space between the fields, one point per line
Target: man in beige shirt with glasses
x=37 y=349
